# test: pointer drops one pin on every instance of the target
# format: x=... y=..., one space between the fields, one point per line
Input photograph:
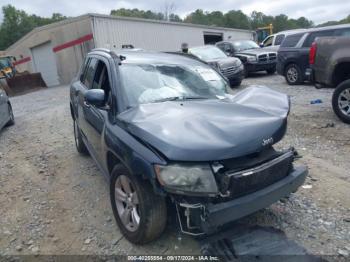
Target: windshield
x=245 y=45
x=144 y=83
x=207 y=53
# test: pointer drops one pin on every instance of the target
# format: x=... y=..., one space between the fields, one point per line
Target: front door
x=97 y=117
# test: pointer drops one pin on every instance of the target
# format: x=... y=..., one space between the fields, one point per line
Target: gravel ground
x=54 y=201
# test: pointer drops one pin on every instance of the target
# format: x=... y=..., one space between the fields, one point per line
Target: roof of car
x=235 y=40
x=316 y=29
x=152 y=57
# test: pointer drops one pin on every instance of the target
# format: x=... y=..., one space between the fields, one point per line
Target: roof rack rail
x=102 y=49
x=111 y=52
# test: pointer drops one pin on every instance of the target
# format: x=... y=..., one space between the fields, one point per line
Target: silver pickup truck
x=330 y=66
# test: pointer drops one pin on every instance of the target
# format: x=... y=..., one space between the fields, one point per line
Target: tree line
x=16 y=23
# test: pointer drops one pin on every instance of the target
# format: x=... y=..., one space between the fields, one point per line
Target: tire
x=150 y=209
x=341 y=101
x=293 y=74
x=11 y=122
x=271 y=71
x=79 y=143
x=246 y=72
x=236 y=83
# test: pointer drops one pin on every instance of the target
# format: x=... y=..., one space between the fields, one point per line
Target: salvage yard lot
x=54 y=201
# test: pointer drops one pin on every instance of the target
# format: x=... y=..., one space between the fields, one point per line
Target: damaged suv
x=163 y=127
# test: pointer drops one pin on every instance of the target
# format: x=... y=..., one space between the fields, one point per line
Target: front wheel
x=341 y=101
x=140 y=214
x=11 y=122
x=293 y=74
x=236 y=83
x=271 y=71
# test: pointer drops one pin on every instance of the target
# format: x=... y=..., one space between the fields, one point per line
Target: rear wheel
x=341 y=101
x=140 y=213
x=11 y=122
x=293 y=74
x=79 y=143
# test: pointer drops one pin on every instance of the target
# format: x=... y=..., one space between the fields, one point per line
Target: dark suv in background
x=231 y=67
x=293 y=54
x=253 y=57
x=330 y=67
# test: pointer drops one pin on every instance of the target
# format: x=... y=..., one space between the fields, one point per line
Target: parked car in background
x=272 y=42
x=6 y=113
x=330 y=66
x=293 y=54
x=163 y=126
x=231 y=67
x=252 y=56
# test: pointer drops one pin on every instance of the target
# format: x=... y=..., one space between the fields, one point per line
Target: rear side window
x=312 y=36
x=279 y=39
x=343 y=32
x=291 y=40
x=89 y=72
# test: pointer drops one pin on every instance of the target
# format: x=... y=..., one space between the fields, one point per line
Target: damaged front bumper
x=205 y=218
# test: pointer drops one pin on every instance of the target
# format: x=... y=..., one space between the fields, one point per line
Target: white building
x=57 y=50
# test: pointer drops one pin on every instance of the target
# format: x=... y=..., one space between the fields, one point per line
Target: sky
x=318 y=11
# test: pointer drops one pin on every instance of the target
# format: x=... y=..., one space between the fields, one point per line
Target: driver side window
x=268 y=41
x=102 y=81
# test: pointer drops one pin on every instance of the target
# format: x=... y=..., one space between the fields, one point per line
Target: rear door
x=4 y=116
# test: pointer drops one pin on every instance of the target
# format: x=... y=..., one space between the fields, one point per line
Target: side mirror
x=228 y=53
x=261 y=45
x=95 y=97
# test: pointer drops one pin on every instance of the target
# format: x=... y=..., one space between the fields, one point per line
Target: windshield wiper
x=179 y=98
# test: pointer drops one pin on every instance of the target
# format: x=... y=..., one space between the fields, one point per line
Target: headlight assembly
x=187 y=178
x=251 y=58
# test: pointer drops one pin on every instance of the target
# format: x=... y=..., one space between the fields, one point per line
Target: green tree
x=237 y=19
x=17 y=23
x=197 y=17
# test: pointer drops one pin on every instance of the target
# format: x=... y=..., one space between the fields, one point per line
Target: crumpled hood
x=208 y=130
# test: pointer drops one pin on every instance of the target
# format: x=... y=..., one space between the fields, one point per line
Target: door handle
x=86 y=104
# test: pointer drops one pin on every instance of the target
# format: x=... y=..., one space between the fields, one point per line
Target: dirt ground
x=54 y=201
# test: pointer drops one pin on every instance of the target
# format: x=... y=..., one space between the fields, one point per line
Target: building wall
x=71 y=39
x=68 y=59
x=114 y=32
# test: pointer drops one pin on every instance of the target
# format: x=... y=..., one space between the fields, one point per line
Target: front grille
x=268 y=57
x=272 y=56
x=228 y=70
x=262 y=58
x=251 y=180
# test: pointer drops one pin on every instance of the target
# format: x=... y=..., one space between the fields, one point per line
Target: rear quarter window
x=291 y=40
x=343 y=32
x=312 y=36
x=279 y=39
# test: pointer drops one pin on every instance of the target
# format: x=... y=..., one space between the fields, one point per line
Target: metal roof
x=92 y=15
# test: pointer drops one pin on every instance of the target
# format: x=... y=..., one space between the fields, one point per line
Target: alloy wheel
x=344 y=102
x=127 y=203
x=292 y=74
